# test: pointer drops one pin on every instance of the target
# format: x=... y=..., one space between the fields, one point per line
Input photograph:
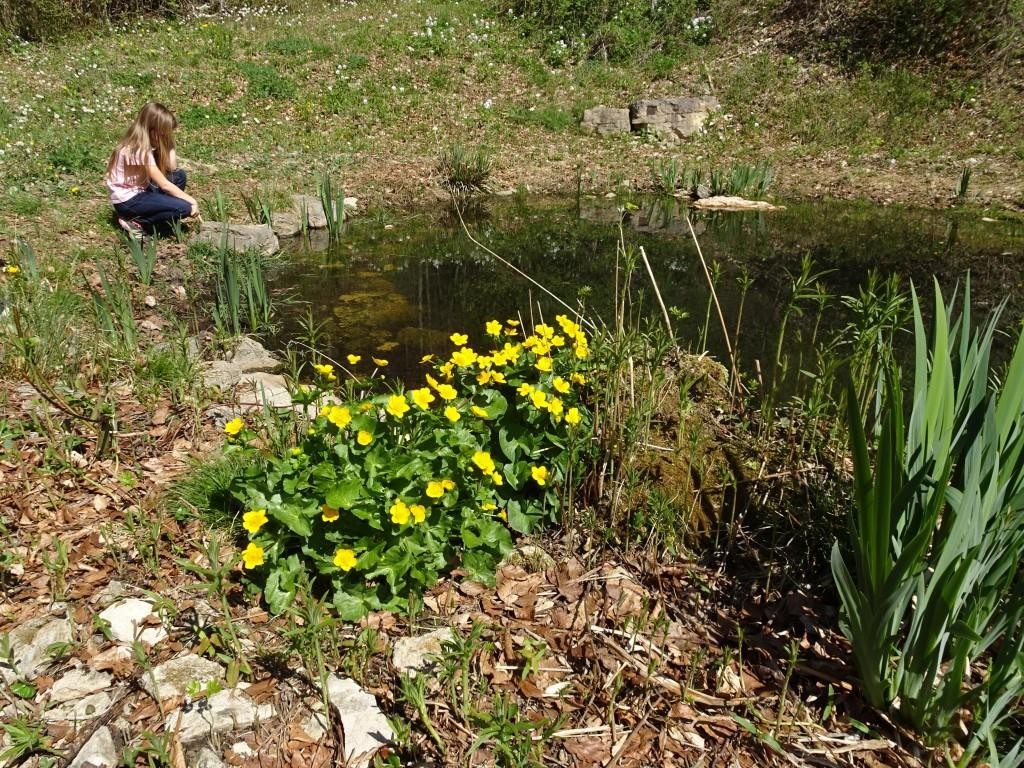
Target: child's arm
x=158 y=178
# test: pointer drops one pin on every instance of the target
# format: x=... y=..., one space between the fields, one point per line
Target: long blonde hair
x=152 y=131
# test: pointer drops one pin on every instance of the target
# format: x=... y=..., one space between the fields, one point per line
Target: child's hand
x=195 y=211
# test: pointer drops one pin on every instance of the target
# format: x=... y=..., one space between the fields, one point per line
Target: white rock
x=91 y=706
x=207 y=758
x=366 y=728
x=285 y=224
x=315 y=726
x=352 y=204
x=313 y=208
x=229 y=710
x=249 y=355
x=412 y=654
x=242 y=749
x=99 y=751
x=261 y=389
x=127 y=622
x=239 y=237
x=77 y=684
x=30 y=645
x=177 y=676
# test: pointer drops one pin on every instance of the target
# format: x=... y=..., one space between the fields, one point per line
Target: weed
x=963 y=183
x=333 y=201
x=265 y=82
x=464 y=170
x=143 y=253
x=25 y=738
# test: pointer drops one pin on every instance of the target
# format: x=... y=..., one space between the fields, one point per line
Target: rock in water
x=316 y=218
x=239 y=237
x=605 y=121
x=672 y=120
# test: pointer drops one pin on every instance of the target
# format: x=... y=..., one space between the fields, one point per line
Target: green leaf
x=345 y=494
x=349 y=607
x=23 y=689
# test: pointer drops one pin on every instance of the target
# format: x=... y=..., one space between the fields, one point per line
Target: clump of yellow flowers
x=384 y=493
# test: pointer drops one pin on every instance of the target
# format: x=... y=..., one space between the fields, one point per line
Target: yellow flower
x=484 y=461
x=539 y=474
x=234 y=426
x=397 y=406
x=488 y=506
x=447 y=483
x=364 y=437
x=452 y=414
x=436 y=489
x=485 y=361
x=252 y=556
x=326 y=370
x=423 y=397
x=542 y=347
x=296 y=451
x=543 y=364
x=503 y=515
x=459 y=339
x=478 y=412
x=578 y=378
x=426 y=358
x=557 y=341
x=345 y=559
x=525 y=390
x=339 y=416
x=74 y=190
x=569 y=328
x=399 y=512
x=364 y=407
x=328 y=514
x=561 y=385
x=544 y=330
x=254 y=520
x=419 y=513
x=582 y=352
x=496 y=478
x=493 y=328
x=555 y=408
x=446 y=369
x=511 y=352
x=354 y=359
x=12 y=269
x=572 y=416
x=380 y=362
x=484 y=377
x=513 y=323
x=463 y=357
x=497 y=377
x=538 y=398
x=446 y=391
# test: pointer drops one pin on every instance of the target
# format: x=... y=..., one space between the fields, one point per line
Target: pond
x=396 y=288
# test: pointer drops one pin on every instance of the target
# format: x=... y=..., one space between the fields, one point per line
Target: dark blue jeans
x=154 y=206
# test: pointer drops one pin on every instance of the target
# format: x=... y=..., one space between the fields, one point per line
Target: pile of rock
x=670 y=120
x=307 y=211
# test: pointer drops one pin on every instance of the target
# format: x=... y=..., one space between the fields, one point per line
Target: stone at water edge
x=366 y=728
x=420 y=652
x=99 y=751
x=177 y=676
x=77 y=684
x=30 y=646
x=239 y=237
x=729 y=203
x=605 y=121
x=285 y=224
x=249 y=356
x=128 y=622
x=316 y=218
x=264 y=389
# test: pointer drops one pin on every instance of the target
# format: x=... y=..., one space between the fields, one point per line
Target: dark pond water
x=396 y=288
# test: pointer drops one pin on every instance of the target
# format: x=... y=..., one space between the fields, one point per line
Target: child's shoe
x=132 y=227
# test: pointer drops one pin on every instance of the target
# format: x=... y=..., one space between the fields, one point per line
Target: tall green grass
x=930 y=587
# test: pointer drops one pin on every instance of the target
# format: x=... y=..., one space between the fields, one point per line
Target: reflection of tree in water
x=415 y=283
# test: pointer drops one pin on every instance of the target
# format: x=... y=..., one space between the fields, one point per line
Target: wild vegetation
x=638 y=555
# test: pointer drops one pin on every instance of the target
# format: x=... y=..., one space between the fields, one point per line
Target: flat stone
x=239 y=237
x=77 y=684
x=529 y=556
x=728 y=203
x=605 y=121
x=110 y=594
x=207 y=758
x=420 y=652
x=316 y=218
x=315 y=726
x=225 y=711
x=250 y=356
x=351 y=204
x=366 y=728
x=128 y=622
x=264 y=389
x=30 y=644
x=86 y=708
x=285 y=224
x=177 y=676
x=99 y=751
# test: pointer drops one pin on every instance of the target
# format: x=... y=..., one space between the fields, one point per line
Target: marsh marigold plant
x=385 y=493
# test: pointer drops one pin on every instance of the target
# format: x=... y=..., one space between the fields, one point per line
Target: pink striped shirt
x=121 y=183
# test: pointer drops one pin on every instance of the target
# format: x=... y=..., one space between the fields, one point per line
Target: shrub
x=464 y=170
x=384 y=492
x=46 y=19
x=616 y=30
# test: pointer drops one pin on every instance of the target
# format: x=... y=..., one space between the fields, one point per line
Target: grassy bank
x=270 y=98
